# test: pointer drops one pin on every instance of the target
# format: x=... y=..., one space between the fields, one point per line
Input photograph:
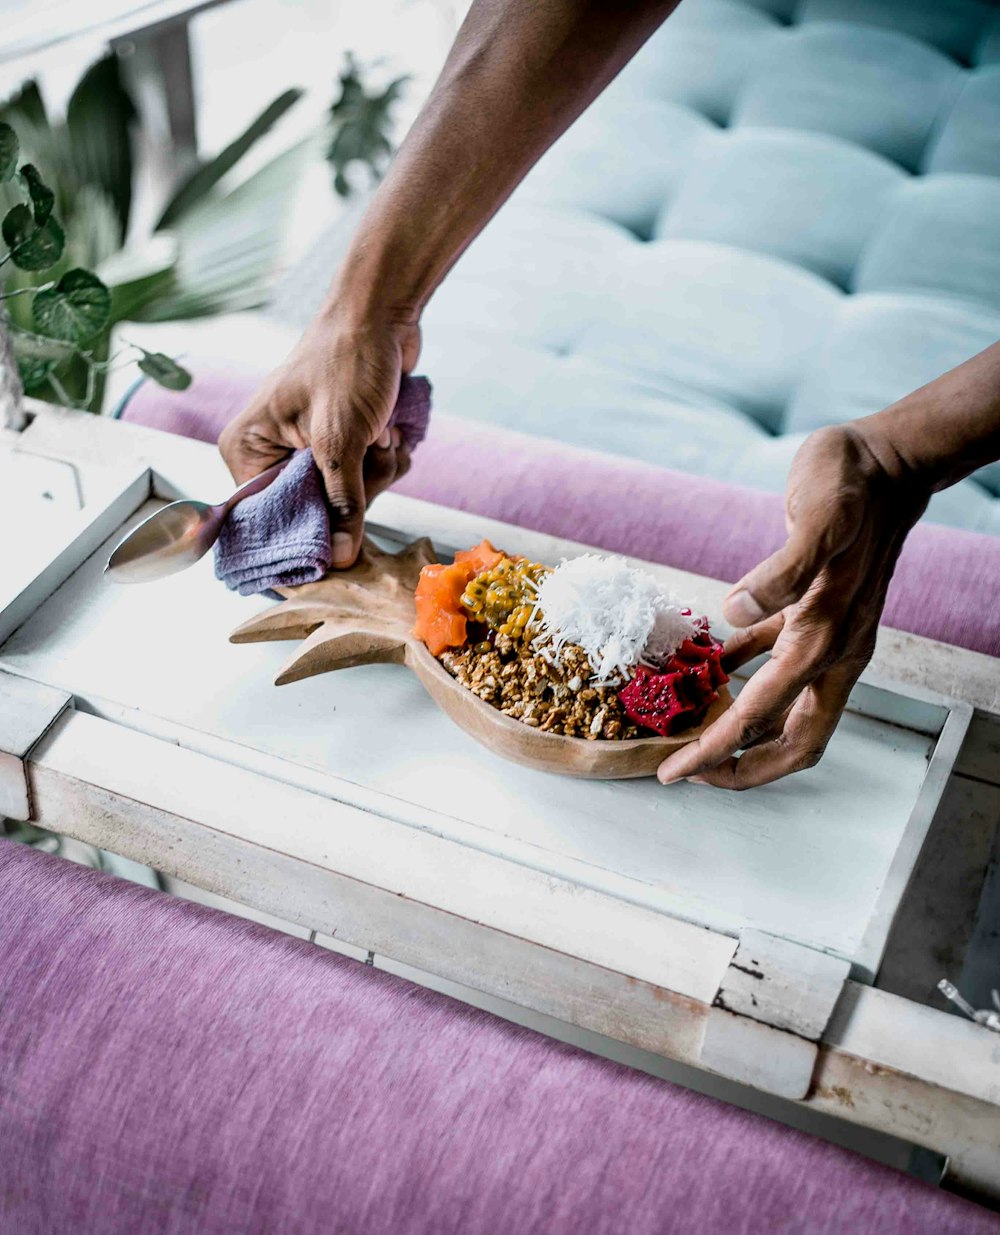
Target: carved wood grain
x=365 y=615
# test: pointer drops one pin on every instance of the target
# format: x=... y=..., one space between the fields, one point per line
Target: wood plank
x=27 y=710
x=939 y=770
x=781 y=984
x=317 y=832
x=769 y=1059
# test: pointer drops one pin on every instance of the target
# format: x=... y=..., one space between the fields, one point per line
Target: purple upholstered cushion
x=166 y=1069
x=945 y=585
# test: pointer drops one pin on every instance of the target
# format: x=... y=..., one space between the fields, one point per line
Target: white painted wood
x=781 y=984
x=250 y=809
x=26 y=581
x=910 y=1039
x=752 y=1053
x=928 y=803
x=771 y=1008
x=826 y=838
x=27 y=710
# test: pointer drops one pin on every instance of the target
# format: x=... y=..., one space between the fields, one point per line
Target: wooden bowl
x=365 y=615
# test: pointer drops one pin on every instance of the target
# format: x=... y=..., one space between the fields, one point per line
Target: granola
x=531 y=688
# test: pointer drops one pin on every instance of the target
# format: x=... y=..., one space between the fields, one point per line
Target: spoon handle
x=254 y=485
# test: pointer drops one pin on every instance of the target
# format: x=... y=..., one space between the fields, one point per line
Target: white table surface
x=804 y=858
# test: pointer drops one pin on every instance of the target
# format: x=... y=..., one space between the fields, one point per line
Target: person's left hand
x=815 y=605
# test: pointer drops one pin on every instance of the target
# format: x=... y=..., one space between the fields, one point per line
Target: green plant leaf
x=139 y=275
x=205 y=178
x=229 y=246
x=164 y=371
x=42 y=249
x=75 y=310
x=9 y=147
x=360 y=125
x=42 y=197
x=34 y=373
x=99 y=116
x=18 y=225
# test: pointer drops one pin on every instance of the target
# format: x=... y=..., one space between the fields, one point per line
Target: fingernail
x=343 y=549
x=741 y=609
x=697 y=780
x=384 y=438
x=397 y=438
x=665 y=776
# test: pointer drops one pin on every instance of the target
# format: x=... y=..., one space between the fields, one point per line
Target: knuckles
x=752 y=728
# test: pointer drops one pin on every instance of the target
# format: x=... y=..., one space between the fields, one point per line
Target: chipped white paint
x=782 y=984
x=771 y=1008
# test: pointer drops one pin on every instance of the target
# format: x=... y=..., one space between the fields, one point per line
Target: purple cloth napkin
x=281 y=537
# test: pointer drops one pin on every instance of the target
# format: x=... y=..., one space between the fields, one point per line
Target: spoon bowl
x=178 y=535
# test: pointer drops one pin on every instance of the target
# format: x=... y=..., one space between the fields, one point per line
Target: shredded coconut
x=614 y=612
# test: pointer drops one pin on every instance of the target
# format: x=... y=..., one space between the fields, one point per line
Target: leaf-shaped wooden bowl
x=365 y=615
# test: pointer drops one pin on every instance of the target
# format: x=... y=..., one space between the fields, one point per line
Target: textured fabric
x=783 y=213
x=281 y=536
x=945 y=586
x=170 y=1070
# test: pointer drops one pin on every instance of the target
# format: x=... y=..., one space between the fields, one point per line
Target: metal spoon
x=178 y=535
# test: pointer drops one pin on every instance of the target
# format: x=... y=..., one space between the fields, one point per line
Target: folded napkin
x=281 y=536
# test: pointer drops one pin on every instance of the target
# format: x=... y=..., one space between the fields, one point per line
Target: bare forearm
x=946 y=429
x=518 y=75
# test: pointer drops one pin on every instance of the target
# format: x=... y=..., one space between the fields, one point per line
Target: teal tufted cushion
x=783 y=214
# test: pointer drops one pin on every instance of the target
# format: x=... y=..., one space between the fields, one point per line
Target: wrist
x=886 y=441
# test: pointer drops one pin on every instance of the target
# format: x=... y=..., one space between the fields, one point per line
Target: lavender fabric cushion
x=945 y=586
x=167 y=1069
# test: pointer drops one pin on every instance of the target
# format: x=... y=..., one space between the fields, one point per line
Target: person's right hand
x=334 y=393
x=814 y=604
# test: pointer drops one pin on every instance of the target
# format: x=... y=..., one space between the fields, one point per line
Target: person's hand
x=335 y=393
x=815 y=604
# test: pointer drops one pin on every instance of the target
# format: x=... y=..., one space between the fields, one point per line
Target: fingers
x=746 y=644
x=800 y=745
x=784 y=577
x=385 y=465
x=341 y=463
x=825 y=512
x=756 y=712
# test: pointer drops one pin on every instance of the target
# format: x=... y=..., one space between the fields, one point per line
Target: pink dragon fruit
x=678 y=695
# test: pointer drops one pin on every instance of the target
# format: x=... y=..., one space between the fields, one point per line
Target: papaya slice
x=441 y=620
x=480 y=557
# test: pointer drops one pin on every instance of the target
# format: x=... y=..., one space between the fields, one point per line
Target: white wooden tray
x=716 y=929
x=821 y=859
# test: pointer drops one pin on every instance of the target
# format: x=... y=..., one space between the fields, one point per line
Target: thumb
x=785 y=576
x=343 y=478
